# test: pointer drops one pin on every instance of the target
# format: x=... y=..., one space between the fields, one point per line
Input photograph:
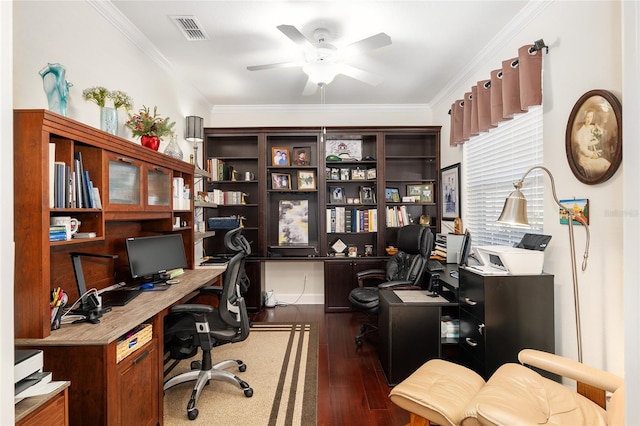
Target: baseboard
x=297 y=299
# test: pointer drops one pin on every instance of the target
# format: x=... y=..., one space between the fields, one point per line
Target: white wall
x=6 y=215
x=584 y=41
x=299 y=282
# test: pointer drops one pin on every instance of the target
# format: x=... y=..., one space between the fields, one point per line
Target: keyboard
x=434 y=265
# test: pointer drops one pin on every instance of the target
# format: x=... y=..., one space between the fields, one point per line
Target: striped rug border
x=299 y=335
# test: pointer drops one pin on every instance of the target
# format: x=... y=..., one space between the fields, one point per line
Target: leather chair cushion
x=364 y=298
x=518 y=395
x=438 y=391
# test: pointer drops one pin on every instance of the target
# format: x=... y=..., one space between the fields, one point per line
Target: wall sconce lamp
x=194 y=133
x=515 y=212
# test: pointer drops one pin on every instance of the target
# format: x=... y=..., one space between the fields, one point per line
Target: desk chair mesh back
x=192 y=326
x=404 y=270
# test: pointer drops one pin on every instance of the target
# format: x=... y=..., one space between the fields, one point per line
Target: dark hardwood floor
x=352 y=389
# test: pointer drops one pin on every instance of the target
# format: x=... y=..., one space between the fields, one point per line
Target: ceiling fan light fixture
x=321 y=72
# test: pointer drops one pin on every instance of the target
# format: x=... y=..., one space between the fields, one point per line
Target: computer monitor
x=155 y=255
x=465 y=249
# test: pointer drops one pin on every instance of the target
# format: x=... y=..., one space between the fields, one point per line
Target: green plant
x=144 y=123
x=120 y=99
x=96 y=94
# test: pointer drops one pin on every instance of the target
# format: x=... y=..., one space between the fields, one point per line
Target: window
x=493 y=161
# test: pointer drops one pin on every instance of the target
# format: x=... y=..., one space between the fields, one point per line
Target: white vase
x=109 y=120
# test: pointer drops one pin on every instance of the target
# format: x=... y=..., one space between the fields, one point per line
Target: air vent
x=190 y=27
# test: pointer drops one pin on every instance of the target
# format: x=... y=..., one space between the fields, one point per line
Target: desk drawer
x=472 y=335
x=471 y=293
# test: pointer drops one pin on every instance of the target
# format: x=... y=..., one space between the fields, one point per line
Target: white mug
x=71 y=224
x=249 y=176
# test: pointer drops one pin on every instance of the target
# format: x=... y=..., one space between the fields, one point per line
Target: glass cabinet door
x=125 y=189
x=158 y=188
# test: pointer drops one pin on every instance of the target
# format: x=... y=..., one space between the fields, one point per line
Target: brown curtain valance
x=510 y=90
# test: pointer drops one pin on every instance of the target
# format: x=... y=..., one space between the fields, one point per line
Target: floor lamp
x=515 y=212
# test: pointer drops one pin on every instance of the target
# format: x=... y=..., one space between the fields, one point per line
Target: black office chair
x=404 y=270
x=192 y=326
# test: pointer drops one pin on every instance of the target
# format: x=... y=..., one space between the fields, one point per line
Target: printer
x=27 y=362
x=512 y=260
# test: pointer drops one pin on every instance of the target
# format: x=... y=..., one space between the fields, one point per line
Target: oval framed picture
x=593 y=139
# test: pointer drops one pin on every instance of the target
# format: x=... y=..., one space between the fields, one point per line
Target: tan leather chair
x=444 y=393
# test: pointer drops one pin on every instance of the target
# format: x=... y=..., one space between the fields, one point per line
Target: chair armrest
x=394 y=284
x=571 y=369
x=372 y=273
x=192 y=308
x=211 y=289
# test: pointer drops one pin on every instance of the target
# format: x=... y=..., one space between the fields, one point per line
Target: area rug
x=282 y=370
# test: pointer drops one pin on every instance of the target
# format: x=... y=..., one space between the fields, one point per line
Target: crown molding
x=323 y=108
x=505 y=37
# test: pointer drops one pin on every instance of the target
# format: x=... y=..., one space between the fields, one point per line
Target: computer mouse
x=146 y=286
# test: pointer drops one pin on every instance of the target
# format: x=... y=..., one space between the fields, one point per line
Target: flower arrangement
x=144 y=123
x=100 y=94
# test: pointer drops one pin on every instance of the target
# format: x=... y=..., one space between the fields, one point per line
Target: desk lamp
x=515 y=212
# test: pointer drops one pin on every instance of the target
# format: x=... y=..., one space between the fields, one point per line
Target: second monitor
x=152 y=256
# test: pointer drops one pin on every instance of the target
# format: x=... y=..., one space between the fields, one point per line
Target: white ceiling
x=433 y=43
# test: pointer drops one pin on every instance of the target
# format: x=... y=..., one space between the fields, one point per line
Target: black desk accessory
x=89 y=305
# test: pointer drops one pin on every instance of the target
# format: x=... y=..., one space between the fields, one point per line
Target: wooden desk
x=409 y=334
x=103 y=391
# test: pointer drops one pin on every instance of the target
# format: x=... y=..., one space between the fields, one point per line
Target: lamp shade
x=194 y=129
x=515 y=209
x=321 y=72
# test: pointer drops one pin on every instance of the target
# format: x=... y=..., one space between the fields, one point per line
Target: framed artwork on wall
x=293 y=222
x=593 y=138
x=450 y=191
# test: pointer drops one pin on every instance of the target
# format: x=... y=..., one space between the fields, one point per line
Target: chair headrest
x=235 y=241
x=415 y=239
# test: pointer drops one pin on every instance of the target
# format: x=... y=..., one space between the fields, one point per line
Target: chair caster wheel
x=193 y=414
x=196 y=365
x=248 y=392
x=242 y=368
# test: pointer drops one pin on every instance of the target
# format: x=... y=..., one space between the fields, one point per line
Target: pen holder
x=57 y=317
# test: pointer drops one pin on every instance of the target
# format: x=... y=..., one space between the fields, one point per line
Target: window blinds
x=492 y=162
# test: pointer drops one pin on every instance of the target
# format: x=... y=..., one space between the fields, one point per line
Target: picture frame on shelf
x=279 y=156
x=293 y=222
x=593 y=139
x=392 y=195
x=367 y=195
x=345 y=174
x=352 y=251
x=302 y=155
x=306 y=180
x=336 y=195
x=334 y=173
x=423 y=191
x=450 y=192
x=345 y=148
x=358 y=174
x=371 y=173
x=280 y=181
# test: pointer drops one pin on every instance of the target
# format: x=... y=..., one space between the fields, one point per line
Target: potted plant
x=150 y=127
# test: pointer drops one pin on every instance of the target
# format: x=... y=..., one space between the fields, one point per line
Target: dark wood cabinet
x=340 y=278
x=501 y=315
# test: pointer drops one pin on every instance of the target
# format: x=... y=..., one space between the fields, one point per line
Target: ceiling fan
x=323 y=61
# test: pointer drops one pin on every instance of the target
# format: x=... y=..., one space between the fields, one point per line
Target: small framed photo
x=302 y=155
x=279 y=156
x=306 y=180
x=334 y=173
x=580 y=209
x=358 y=174
x=392 y=195
x=344 y=174
x=367 y=195
x=423 y=191
x=371 y=174
x=280 y=181
x=337 y=195
x=352 y=251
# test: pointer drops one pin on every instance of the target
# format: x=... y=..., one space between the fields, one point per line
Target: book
x=96 y=198
x=84 y=235
x=52 y=159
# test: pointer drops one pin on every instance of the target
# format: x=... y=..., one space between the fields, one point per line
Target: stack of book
x=57 y=233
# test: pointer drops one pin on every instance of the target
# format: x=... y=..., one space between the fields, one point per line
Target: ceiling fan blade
x=310 y=88
x=271 y=66
x=362 y=75
x=370 y=43
x=296 y=36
